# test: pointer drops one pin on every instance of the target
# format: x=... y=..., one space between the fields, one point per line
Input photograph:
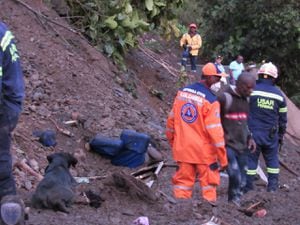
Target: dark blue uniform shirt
x=268 y=108
x=11 y=76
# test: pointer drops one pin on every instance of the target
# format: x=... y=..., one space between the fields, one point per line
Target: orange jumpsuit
x=196 y=136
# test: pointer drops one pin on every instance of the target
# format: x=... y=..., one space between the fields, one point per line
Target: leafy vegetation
x=113 y=26
x=259 y=30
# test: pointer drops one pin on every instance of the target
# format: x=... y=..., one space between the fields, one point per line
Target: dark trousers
x=237 y=167
x=269 y=149
x=193 y=60
x=8 y=121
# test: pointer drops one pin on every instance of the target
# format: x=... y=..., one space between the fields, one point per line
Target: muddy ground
x=66 y=77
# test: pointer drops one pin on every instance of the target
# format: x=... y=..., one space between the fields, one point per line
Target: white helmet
x=269 y=69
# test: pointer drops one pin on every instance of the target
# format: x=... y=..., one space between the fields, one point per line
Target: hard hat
x=210 y=69
x=192 y=25
x=269 y=69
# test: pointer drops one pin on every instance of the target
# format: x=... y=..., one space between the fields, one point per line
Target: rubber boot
x=272 y=182
x=12 y=210
x=249 y=185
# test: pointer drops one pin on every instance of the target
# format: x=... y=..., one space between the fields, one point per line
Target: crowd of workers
x=211 y=130
x=208 y=133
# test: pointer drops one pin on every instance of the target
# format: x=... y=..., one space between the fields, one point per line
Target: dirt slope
x=64 y=77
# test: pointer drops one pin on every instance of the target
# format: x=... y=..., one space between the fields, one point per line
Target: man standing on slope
x=267 y=122
x=234 y=113
x=11 y=99
x=196 y=136
x=191 y=42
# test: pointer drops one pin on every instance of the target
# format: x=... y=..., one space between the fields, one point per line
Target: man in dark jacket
x=238 y=139
x=267 y=122
x=11 y=98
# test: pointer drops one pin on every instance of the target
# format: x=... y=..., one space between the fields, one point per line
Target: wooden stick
x=144 y=169
x=46 y=18
x=253 y=205
x=148 y=53
x=64 y=131
x=144 y=175
x=288 y=168
x=169 y=198
x=23 y=165
x=156 y=172
x=158 y=169
x=61 y=37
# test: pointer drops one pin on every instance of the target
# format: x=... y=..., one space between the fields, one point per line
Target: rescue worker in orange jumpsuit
x=196 y=136
x=191 y=42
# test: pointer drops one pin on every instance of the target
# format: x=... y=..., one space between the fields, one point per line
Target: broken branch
x=288 y=168
x=63 y=131
x=24 y=166
x=44 y=17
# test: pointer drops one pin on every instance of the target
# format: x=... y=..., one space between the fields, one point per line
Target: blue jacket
x=268 y=108
x=11 y=76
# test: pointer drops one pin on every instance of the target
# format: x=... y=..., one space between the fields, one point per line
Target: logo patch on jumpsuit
x=189 y=113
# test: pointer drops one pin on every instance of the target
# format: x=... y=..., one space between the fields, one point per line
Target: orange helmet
x=193 y=25
x=210 y=69
x=269 y=69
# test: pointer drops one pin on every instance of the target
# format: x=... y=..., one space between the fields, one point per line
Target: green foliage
x=259 y=30
x=113 y=26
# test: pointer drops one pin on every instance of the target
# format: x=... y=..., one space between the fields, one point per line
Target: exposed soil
x=66 y=77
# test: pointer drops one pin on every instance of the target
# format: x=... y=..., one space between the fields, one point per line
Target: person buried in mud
x=195 y=133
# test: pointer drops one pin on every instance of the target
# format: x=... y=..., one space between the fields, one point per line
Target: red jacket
x=194 y=127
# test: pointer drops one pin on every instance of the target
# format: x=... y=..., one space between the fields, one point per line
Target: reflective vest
x=194 y=127
x=268 y=108
x=195 y=42
x=11 y=76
